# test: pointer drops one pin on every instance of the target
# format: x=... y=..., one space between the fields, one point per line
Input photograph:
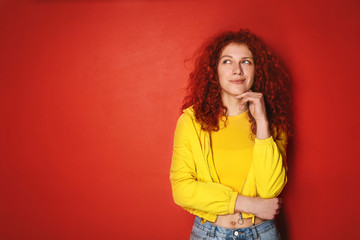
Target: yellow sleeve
x=200 y=197
x=269 y=166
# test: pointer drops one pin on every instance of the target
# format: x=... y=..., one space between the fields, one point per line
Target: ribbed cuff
x=232 y=202
x=264 y=141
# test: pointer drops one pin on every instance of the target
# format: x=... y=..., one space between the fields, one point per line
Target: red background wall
x=90 y=93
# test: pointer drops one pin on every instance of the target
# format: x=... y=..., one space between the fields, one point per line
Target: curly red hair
x=271 y=79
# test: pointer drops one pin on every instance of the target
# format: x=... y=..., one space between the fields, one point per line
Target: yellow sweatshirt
x=195 y=183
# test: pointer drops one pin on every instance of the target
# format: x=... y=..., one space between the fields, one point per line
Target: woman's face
x=236 y=70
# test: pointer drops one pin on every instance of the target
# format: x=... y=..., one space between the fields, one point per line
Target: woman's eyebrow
x=225 y=56
x=232 y=57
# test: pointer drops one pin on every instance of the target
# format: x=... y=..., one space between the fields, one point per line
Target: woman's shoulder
x=189 y=110
x=187 y=118
x=188 y=114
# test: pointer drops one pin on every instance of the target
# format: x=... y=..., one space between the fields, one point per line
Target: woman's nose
x=237 y=70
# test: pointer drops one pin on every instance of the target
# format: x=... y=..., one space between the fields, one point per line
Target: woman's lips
x=238 y=81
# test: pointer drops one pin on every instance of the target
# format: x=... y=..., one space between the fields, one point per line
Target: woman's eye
x=226 y=61
x=246 y=62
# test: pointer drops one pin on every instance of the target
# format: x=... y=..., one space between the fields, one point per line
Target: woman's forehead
x=236 y=49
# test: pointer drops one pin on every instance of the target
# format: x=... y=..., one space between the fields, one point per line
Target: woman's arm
x=188 y=191
x=269 y=167
x=268 y=155
x=260 y=207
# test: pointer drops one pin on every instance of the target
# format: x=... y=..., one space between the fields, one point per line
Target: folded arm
x=188 y=191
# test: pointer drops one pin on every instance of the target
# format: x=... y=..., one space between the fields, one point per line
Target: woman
x=228 y=164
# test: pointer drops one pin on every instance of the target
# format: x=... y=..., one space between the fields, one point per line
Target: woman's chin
x=233 y=92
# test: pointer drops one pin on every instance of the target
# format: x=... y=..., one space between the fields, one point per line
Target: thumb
x=243 y=107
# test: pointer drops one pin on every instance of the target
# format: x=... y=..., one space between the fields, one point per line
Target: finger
x=243 y=101
x=249 y=98
x=250 y=92
x=243 y=94
x=243 y=107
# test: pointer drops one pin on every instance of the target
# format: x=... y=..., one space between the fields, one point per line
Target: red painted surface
x=89 y=96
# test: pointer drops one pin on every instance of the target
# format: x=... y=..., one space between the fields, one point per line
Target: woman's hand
x=256 y=104
x=258 y=111
x=260 y=207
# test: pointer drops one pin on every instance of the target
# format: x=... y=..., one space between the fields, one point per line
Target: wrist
x=243 y=204
x=262 y=129
x=262 y=121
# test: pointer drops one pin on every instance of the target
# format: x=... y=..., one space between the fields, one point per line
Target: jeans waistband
x=222 y=232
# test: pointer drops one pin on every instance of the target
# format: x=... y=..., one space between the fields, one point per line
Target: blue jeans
x=264 y=231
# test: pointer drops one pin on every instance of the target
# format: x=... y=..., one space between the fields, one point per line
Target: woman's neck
x=233 y=105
